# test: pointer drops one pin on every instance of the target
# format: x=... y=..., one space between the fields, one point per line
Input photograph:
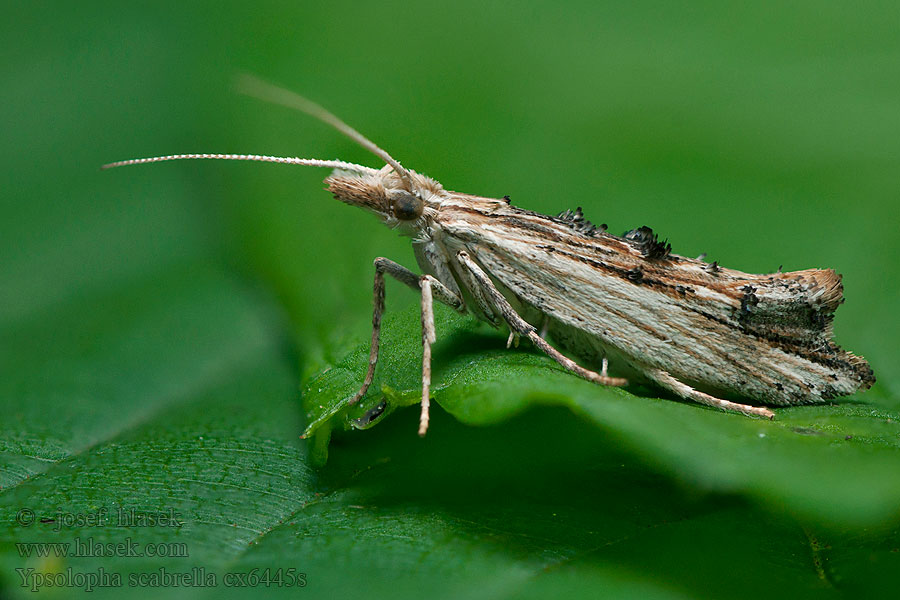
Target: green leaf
x=825 y=462
x=156 y=323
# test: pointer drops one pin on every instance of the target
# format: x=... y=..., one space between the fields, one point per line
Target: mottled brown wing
x=765 y=337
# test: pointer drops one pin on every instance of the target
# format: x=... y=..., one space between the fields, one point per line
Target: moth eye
x=406 y=206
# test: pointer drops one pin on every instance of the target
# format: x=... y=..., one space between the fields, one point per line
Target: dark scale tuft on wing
x=647 y=242
x=576 y=221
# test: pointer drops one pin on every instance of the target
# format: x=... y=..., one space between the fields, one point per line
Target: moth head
x=404 y=203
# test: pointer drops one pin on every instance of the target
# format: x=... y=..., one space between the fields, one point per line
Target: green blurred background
x=764 y=134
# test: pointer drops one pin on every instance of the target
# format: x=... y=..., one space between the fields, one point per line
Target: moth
x=716 y=336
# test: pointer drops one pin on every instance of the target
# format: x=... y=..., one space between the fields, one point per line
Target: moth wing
x=767 y=337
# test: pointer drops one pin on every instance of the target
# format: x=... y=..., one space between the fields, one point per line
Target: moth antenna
x=263 y=90
x=286 y=160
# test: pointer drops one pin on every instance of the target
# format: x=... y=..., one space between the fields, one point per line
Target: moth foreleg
x=685 y=391
x=519 y=326
x=404 y=275
x=428 y=338
x=441 y=292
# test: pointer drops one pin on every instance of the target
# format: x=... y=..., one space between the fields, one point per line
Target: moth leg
x=441 y=292
x=479 y=299
x=603 y=368
x=404 y=275
x=518 y=325
x=512 y=340
x=428 y=338
x=685 y=391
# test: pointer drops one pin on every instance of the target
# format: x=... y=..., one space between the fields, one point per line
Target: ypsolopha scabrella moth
x=695 y=329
